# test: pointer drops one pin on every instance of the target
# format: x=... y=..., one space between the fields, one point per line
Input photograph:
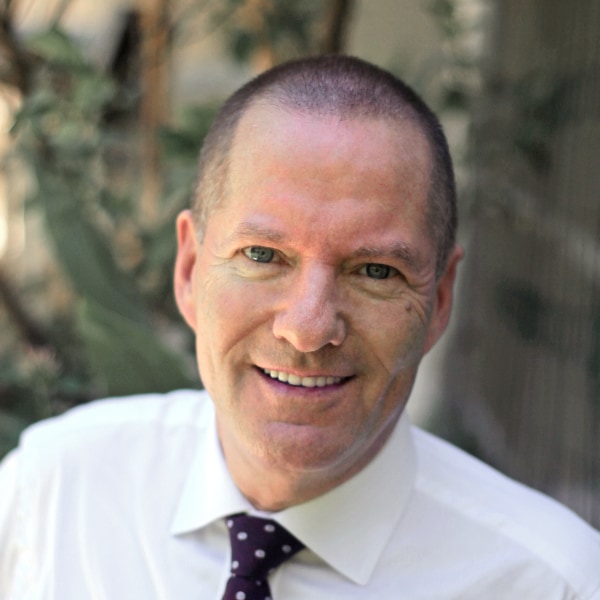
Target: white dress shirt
x=124 y=499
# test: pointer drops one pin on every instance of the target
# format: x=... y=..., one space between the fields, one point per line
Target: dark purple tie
x=258 y=546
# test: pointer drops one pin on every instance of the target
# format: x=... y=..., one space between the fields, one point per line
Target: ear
x=187 y=254
x=444 y=297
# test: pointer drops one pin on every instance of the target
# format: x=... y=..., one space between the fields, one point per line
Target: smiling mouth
x=307 y=382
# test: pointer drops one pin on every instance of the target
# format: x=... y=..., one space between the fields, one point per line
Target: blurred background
x=103 y=107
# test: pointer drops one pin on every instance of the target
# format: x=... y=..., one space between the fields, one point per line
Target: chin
x=305 y=449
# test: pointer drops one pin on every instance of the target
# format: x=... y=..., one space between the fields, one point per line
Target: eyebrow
x=396 y=250
x=247 y=229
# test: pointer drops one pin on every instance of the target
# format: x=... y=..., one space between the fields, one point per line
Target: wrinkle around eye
x=273 y=265
x=391 y=287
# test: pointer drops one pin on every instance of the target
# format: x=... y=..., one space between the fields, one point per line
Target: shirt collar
x=209 y=492
x=361 y=514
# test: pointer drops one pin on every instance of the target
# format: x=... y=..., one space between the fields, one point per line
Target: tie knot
x=259 y=545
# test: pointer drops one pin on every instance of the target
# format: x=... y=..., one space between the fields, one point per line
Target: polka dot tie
x=258 y=546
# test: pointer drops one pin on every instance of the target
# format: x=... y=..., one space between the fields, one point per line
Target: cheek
x=397 y=337
x=227 y=314
x=397 y=351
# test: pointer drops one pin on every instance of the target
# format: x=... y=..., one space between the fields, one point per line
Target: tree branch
x=27 y=326
x=14 y=60
x=336 y=26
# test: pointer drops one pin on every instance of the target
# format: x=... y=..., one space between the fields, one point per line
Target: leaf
x=56 y=47
x=127 y=356
x=83 y=254
x=92 y=92
x=10 y=430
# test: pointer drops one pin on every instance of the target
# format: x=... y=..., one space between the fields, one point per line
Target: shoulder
x=171 y=409
x=117 y=425
x=108 y=472
x=505 y=510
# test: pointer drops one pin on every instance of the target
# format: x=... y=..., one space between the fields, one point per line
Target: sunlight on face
x=314 y=293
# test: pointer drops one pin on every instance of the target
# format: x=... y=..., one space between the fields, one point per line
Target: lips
x=307 y=382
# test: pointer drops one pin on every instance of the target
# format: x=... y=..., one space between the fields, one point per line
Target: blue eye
x=260 y=254
x=377 y=271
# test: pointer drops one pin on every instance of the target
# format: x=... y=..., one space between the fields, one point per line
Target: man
x=316 y=269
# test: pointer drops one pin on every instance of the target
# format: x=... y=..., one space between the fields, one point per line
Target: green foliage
x=127 y=354
x=181 y=144
x=61 y=139
x=33 y=385
x=285 y=29
x=452 y=78
x=55 y=47
x=10 y=428
x=81 y=249
x=84 y=183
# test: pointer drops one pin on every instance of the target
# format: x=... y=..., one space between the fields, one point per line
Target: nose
x=309 y=317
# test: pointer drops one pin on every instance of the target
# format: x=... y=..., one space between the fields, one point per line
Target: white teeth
x=294 y=380
x=308 y=382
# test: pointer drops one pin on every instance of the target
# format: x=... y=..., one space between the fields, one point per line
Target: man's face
x=313 y=293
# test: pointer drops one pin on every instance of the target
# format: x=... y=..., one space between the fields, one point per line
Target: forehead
x=283 y=159
x=399 y=138
x=379 y=150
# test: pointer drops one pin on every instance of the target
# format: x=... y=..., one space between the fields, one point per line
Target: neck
x=273 y=492
x=271 y=487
